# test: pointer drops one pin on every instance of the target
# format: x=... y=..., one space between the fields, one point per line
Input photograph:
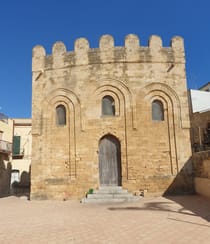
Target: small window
x=60 y=115
x=157 y=110
x=108 y=106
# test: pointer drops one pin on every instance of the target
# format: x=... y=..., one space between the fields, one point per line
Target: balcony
x=18 y=154
x=5 y=147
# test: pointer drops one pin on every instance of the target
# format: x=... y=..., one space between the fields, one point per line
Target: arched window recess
x=108 y=106
x=157 y=110
x=60 y=115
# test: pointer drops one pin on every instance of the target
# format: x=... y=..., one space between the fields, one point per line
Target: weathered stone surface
x=152 y=153
x=200 y=130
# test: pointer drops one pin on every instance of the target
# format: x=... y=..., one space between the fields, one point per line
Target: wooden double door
x=109 y=161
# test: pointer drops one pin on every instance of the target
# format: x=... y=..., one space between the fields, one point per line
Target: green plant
x=90 y=191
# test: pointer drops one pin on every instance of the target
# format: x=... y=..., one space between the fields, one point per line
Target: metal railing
x=5 y=146
x=19 y=154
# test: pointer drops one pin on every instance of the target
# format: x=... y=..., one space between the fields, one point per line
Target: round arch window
x=60 y=115
x=157 y=110
x=108 y=106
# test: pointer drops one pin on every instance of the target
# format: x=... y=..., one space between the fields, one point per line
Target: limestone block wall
x=153 y=153
x=200 y=131
x=201 y=161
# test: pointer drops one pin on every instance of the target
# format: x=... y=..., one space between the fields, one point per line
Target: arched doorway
x=109 y=161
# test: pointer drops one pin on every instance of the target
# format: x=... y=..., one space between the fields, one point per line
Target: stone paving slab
x=183 y=219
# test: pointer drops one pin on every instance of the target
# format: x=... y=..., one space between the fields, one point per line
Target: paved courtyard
x=183 y=219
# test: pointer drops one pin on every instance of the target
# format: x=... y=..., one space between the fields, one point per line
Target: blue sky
x=26 y=23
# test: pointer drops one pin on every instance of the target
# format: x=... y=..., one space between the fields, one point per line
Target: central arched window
x=157 y=110
x=108 y=106
x=60 y=115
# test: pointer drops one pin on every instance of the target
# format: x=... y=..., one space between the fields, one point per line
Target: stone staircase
x=110 y=194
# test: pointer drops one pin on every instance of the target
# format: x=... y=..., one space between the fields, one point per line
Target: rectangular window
x=16 y=145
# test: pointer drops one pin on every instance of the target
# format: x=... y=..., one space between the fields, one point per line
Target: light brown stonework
x=201 y=165
x=154 y=154
x=200 y=131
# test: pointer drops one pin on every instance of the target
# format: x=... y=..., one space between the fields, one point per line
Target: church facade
x=110 y=116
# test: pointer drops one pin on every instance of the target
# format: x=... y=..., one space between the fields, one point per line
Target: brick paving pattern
x=183 y=219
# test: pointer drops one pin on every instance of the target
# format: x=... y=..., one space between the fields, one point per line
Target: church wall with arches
x=94 y=105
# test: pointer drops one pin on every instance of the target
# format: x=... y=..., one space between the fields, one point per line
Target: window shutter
x=16 y=145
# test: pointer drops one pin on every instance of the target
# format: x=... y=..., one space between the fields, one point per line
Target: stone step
x=111 y=200
x=110 y=191
x=110 y=187
x=108 y=195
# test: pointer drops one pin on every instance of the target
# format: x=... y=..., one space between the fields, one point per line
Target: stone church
x=110 y=116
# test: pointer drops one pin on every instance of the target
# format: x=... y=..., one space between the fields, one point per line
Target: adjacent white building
x=15 y=155
x=6 y=137
x=200 y=100
x=21 y=157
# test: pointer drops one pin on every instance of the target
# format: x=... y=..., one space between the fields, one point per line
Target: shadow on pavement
x=198 y=205
x=191 y=205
